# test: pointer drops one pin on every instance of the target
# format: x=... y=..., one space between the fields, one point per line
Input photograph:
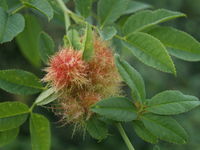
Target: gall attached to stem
x=81 y=84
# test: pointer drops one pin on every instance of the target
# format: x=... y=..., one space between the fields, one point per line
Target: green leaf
x=74 y=39
x=40 y=132
x=171 y=103
x=14 y=25
x=84 y=7
x=12 y=115
x=156 y=147
x=88 y=48
x=46 y=46
x=3 y=4
x=165 y=128
x=148 y=18
x=110 y=10
x=19 y=82
x=134 y=6
x=3 y=18
x=143 y=133
x=181 y=44
x=46 y=97
x=108 y=32
x=28 y=40
x=132 y=78
x=58 y=13
x=150 y=51
x=41 y=5
x=8 y=136
x=116 y=108
x=96 y=128
x=13 y=5
x=10 y=26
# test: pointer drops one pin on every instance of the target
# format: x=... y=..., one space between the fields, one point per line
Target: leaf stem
x=63 y=7
x=68 y=13
x=17 y=9
x=120 y=37
x=124 y=136
x=77 y=18
x=32 y=107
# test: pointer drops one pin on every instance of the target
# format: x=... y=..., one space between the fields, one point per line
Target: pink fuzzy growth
x=72 y=111
x=66 y=68
x=82 y=83
x=103 y=66
x=88 y=99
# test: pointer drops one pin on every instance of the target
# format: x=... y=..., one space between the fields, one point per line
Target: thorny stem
x=124 y=136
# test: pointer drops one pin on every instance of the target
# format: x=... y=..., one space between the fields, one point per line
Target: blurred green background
x=187 y=81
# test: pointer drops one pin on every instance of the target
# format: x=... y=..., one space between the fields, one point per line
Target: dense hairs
x=82 y=84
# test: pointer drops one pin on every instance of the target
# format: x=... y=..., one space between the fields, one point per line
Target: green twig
x=63 y=7
x=77 y=18
x=17 y=9
x=68 y=13
x=32 y=107
x=124 y=136
x=120 y=37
